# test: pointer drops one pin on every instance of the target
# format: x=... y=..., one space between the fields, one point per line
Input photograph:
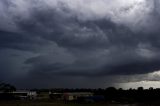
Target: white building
x=25 y=94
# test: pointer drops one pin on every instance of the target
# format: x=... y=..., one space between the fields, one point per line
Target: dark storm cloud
x=79 y=38
x=12 y=40
x=135 y=68
x=66 y=32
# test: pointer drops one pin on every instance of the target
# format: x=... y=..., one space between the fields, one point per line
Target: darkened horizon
x=80 y=43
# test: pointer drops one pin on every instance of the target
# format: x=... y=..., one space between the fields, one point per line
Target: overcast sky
x=80 y=43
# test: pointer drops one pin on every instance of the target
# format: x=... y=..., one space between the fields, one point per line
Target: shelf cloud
x=68 y=42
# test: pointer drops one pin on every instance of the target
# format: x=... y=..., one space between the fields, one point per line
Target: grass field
x=49 y=103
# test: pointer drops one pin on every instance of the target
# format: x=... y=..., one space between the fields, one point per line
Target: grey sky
x=78 y=43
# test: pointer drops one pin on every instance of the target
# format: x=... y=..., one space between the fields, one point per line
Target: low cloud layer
x=67 y=42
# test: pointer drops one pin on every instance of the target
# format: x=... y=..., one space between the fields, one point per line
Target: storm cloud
x=67 y=42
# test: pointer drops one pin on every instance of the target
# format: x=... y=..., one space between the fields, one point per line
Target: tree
x=151 y=88
x=140 y=88
x=7 y=87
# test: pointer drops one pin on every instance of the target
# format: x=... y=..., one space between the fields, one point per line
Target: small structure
x=18 y=95
x=56 y=96
x=76 y=95
x=43 y=95
x=24 y=95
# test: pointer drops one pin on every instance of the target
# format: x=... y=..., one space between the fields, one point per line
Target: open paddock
x=51 y=103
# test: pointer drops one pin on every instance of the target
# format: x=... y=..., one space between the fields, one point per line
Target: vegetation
x=111 y=95
x=6 y=87
x=31 y=103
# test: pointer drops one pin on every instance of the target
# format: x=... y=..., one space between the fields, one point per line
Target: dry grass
x=52 y=103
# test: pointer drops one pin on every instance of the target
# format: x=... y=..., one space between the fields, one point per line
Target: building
x=24 y=95
x=76 y=95
x=56 y=96
x=18 y=95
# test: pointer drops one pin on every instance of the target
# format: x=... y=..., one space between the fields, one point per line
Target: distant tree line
x=111 y=93
x=130 y=95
